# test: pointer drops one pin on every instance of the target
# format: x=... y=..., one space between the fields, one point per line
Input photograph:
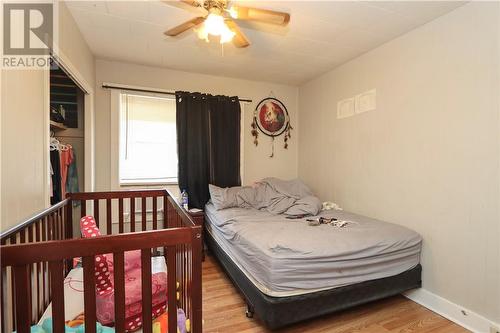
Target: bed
x=39 y=280
x=289 y=271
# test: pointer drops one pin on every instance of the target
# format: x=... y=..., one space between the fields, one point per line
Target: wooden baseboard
x=454 y=312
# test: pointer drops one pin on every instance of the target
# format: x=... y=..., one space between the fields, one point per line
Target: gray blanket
x=276 y=196
x=286 y=257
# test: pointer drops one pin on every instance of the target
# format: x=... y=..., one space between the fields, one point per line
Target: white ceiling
x=321 y=35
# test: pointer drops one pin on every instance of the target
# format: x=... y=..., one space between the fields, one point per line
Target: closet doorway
x=67 y=135
x=71 y=96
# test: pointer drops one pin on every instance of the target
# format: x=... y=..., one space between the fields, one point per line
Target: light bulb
x=202 y=33
x=214 y=25
x=233 y=12
x=226 y=35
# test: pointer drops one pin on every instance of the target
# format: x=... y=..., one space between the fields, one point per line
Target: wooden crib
x=37 y=254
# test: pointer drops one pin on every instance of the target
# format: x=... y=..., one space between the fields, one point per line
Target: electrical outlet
x=494 y=329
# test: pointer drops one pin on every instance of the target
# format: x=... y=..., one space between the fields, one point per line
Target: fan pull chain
x=272 y=147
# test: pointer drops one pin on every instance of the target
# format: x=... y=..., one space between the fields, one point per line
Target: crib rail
x=36 y=256
x=48 y=225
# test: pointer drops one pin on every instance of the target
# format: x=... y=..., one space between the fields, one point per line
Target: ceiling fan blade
x=193 y=3
x=239 y=39
x=184 y=26
x=262 y=15
x=191 y=6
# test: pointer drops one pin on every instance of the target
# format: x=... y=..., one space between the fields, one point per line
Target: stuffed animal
x=160 y=324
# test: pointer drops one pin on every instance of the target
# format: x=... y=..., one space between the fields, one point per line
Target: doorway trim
x=89 y=116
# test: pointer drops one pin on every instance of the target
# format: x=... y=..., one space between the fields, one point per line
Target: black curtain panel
x=225 y=129
x=208 y=143
x=192 y=146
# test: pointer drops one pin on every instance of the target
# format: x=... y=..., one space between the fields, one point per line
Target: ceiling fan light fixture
x=220 y=21
x=233 y=13
x=214 y=25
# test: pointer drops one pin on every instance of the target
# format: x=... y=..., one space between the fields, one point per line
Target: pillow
x=224 y=197
x=103 y=285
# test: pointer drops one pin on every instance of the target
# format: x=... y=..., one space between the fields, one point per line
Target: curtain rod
x=110 y=86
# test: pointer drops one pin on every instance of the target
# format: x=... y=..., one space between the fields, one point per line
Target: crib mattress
x=284 y=257
x=73 y=290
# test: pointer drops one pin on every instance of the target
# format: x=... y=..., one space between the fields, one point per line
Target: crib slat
x=143 y=215
x=22 y=236
x=3 y=276
x=132 y=214
x=195 y=290
x=59 y=225
x=146 y=290
x=23 y=308
x=119 y=284
x=184 y=271
x=89 y=294
x=155 y=213
x=44 y=264
x=68 y=223
x=187 y=294
x=2 y=301
x=96 y=211
x=109 y=231
x=83 y=208
x=57 y=286
x=49 y=227
x=61 y=222
x=120 y=215
x=155 y=220
x=30 y=273
x=166 y=222
x=69 y=219
x=13 y=287
x=171 y=288
x=38 y=272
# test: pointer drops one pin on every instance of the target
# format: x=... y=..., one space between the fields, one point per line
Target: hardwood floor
x=224 y=311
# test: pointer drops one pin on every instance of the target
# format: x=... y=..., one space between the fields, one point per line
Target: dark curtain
x=208 y=144
x=224 y=141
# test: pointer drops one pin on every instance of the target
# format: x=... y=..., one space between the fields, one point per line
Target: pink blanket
x=104 y=268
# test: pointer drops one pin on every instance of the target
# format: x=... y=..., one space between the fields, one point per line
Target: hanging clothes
x=66 y=157
x=72 y=178
x=55 y=163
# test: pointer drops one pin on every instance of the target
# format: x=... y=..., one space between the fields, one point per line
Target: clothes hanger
x=54 y=143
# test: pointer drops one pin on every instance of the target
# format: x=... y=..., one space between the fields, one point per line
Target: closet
x=67 y=134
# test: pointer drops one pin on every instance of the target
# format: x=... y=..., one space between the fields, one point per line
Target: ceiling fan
x=219 y=20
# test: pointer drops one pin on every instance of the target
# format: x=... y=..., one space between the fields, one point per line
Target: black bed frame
x=277 y=312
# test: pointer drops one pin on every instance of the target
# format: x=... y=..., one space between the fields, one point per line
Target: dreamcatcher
x=271 y=118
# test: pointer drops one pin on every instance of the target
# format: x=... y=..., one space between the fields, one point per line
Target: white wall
x=428 y=157
x=23 y=128
x=22 y=152
x=257 y=164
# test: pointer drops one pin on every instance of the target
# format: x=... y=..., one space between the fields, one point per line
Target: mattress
x=284 y=257
x=73 y=291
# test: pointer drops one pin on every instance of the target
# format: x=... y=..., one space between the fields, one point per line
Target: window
x=148 y=142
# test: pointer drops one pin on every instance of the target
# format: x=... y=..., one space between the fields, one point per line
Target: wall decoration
x=272 y=119
x=366 y=101
x=345 y=108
